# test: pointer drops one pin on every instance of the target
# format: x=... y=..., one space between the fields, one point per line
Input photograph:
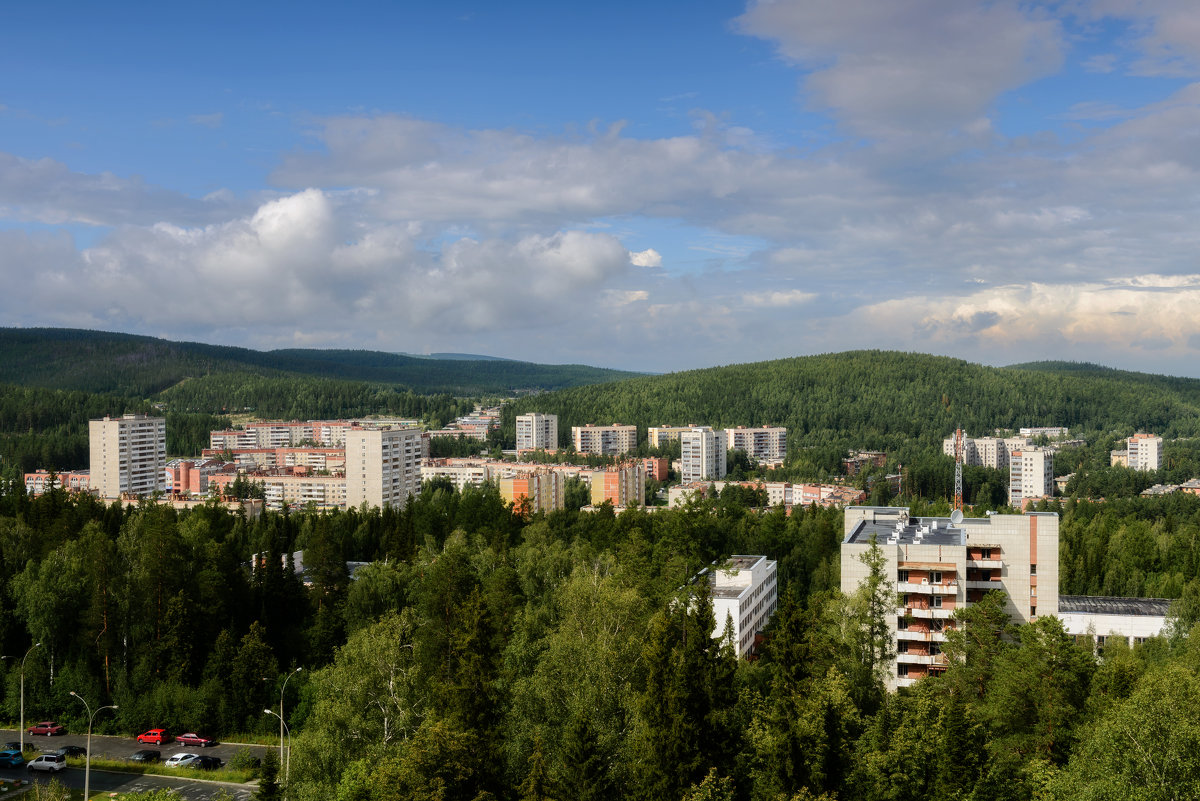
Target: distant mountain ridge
x=142 y=366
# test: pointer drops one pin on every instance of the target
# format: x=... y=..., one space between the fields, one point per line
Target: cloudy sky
x=646 y=185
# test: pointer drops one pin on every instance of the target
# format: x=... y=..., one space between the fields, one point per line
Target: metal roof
x=1101 y=605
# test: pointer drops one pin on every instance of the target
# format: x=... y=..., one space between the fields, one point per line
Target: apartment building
x=659 y=436
x=1044 y=431
x=1144 y=452
x=762 y=444
x=622 y=486
x=39 y=482
x=744 y=596
x=612 y=440
x=857 y=461
x=127 y=455
x=1030 y=475
x=543 y=490
x=383 y=466
x=994 y=452
x=702 y=454
x=537 y=431
x=941 y=564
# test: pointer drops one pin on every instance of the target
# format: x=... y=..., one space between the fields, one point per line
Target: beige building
x=994 y=452
x=537 y=431
x=383 y=466
x=761 y=443
x=541 y=490
x=1144 y=452
x=744 y=596
x=128 y=455
x=622 y=486
x=612 y=440
x=1030 y=475
x=938 y=565
x=659 y=436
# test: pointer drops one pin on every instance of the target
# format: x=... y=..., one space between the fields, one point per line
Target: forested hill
x=882 y=399
x=140 y=366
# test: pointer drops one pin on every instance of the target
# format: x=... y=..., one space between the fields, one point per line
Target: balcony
x=918 y=659
x=988 y=563
x=994 y=584
x=927 y=614
x=925 y=588
x=907 y=681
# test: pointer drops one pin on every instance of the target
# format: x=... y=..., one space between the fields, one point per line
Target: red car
x=194 y=739
x=48 y=728
x=156 y=736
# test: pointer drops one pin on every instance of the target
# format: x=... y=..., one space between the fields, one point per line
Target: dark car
x=15 y=745
x=70 y=751
x=47 y=727
x=194 y=739
x=145 y=755
x=202 y=762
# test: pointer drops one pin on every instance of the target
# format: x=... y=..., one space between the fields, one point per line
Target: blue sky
x=654 y=186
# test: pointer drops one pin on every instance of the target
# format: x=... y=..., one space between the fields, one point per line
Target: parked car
x=70 y=751
x=11 y=758
x=192 y=738
x=46 y=727
x=48 y=763
x=15 y=745
x=145 y=755
x=180 y=759
x=156 y=736
x=203 y=762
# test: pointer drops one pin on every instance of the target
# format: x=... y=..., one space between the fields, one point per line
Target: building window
x=935 y=577
x=901 y=623
x=936 y=602
x=935 y=648
x=1033 y=570
x=902 y=576
x=902 y=671
x=902 y=647
x=987 y=553
x=1033 y=611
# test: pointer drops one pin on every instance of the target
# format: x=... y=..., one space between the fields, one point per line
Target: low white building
x=1105 y=619
x=744 y=595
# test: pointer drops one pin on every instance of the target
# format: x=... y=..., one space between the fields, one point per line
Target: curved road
x=198 y=789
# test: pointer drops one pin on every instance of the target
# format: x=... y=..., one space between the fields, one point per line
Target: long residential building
x=537 y=431
x=658 y=436
x=623 y=485
x=127 y=455
x=766 y=444
x=542 y=490
x=994 y=452
x=612 y=440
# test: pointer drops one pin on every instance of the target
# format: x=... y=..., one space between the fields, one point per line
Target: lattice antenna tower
x=959 y=451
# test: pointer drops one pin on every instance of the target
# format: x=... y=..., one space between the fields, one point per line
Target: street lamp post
x=287 y=766
x=87 y=758
x=22 y=729
x=280 y=715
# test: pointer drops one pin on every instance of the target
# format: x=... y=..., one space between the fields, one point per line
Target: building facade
x=383 y=466
x=762 y=444
x=1030 y=475
x=612 y=440
x=938 y=565
x=702 y=454
x=622 y=486
x=540 y=490
x=128 y=455
x=1144 y=452
x=659 y=436
x=537 y=431
x=744 y=596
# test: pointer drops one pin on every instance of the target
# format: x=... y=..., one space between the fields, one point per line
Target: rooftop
x=1099 y=605
x=899 y=529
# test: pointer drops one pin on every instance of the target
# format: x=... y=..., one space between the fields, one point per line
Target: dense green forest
x=139 y=366
x=482 y=655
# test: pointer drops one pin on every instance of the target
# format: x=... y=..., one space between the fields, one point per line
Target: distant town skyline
x=654 y=187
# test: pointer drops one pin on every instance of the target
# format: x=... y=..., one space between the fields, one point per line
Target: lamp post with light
x=87 y=763
x=287 y=766
x=27 y=653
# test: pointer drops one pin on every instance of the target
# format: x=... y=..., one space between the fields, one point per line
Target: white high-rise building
x=128 y=455
x=702 y=454
x=383 y=466
x=1030 y=475
x=536 y=431
x=1145 y=452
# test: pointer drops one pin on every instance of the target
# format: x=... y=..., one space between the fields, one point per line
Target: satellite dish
x=956 y=517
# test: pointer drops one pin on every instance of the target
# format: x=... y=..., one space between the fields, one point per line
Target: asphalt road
x=121 y=748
